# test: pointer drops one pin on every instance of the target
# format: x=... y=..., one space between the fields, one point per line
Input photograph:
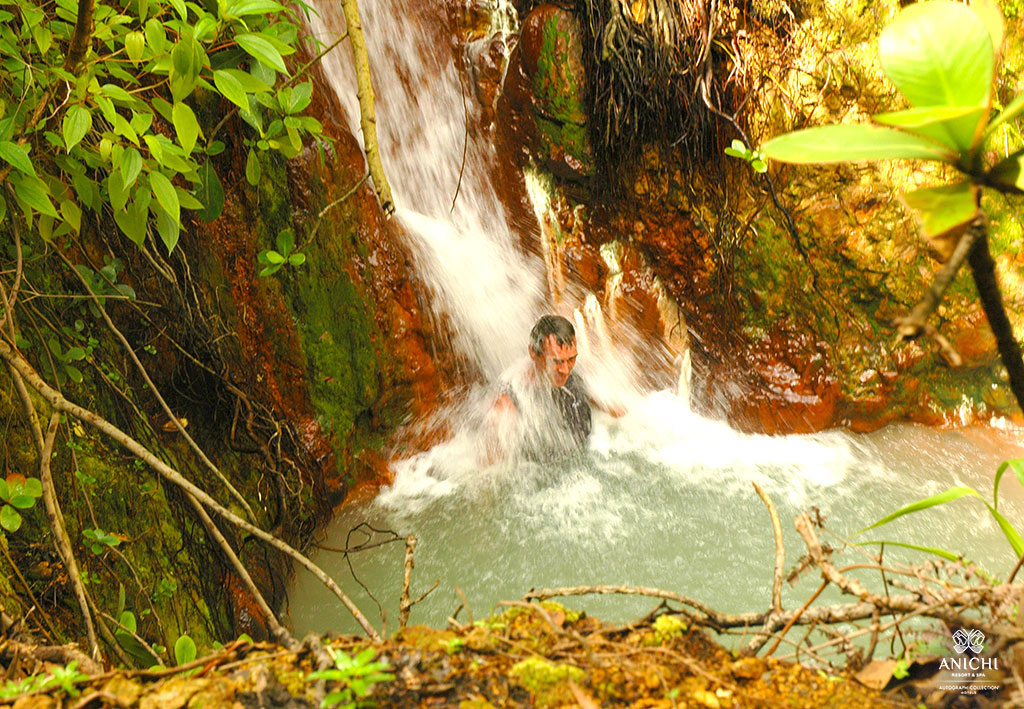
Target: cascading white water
x=661 y=497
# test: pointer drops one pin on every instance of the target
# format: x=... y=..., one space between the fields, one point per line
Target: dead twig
x=405 y=605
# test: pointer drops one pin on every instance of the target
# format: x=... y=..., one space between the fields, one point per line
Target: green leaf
x=300 y=97
x=117 y=191
x=955 y=126
x=127 y=621
x=297 y=259
x=33 y=192
x=252 y=168
x=33 y=487
x=23 y=502
x=1017 y=466
x=17 y=157
x=5 y=491
x=1011 y=111
x=134 y=46
x=186 y=200
x=168 y=228
x=242 y=8
x=1011 y=534
x=259 y=47
x=286 y=241
x=938 y=53
x=180 y=8
x=129 y=165
x=231 y=88
x=155 y=36
x=944 y=209
x=165 y=195
x=210 y=193
x=72 y=214
x=185 y=125
x=185 y=67
x=184 y=650
x=10 y=519
x=274 y=257
x=953 y=493
x=992 y=16
x=852 y=142
x=74 y=374
x=134 y=220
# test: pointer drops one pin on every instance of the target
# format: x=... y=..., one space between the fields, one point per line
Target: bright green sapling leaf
x=850 y=142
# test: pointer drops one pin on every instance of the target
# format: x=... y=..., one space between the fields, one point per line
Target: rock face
x=549 y=68
x=792 y=326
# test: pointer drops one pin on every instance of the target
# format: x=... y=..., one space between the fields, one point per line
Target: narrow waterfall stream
x=662 y=497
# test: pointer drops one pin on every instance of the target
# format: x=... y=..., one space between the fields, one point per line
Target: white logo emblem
x=973 y=639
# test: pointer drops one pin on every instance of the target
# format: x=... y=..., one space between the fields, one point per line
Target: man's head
x=553 y=348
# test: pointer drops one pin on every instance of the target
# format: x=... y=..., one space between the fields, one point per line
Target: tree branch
x=60 y=535
x=367 y=117
x=79 y=45
x=60 y=403
x=984 y=271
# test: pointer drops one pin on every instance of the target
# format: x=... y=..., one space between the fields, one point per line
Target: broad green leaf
x=184 y=650
x=210 y=193
x=123 y=127
x=130 y=165
x=33 y=487
x=297 y=259
x=251 y=84
x=168 y=229
x=852 y=142
x=205 y=28
x=141 y=122
x=253 y=171
x=992 y=16
x=185 y=67
x=300 y=97
x=10 y=519
x=180 y=8
x=938 y=53
x=953 y=493
x=231 y=88
x=118 y=94
x=155 y=36
x=32 y=192
x=955 y=126
x=259 y=47
x=17 y=157
x=1009 y=172
x=5 y=491
x=1011 y=111
x=185 y=125
x=286 y=241
x=72 y=214
x=274 y=258
x=186 y=200
x=43 y=38
x=165 y=195
x=1017 y=466
x=77 y=123
x=134 y=45
x=242 y=8
x=23 y=502
x=945 y=208
x=134 y=220
x=118 y=191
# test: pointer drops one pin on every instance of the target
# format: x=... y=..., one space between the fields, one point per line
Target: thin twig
x=60 y=403
x=404 y=605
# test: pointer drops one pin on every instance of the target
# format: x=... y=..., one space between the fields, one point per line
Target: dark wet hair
x=562 y=329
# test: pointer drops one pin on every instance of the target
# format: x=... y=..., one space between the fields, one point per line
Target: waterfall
x=662 y=497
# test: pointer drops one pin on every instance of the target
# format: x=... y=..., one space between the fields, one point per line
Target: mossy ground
x=522 y=658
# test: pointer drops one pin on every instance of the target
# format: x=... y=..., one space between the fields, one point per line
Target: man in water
x=549 y=398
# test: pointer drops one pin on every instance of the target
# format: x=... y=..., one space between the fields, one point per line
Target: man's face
x=557 y=360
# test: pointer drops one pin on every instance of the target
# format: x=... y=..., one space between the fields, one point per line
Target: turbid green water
x=662 y=498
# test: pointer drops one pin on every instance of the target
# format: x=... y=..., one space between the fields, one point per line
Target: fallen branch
x=405 y=605
x=60 y=403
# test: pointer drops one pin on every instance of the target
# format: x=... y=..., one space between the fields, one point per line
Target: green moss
x=543 y=677
x=667 y=628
